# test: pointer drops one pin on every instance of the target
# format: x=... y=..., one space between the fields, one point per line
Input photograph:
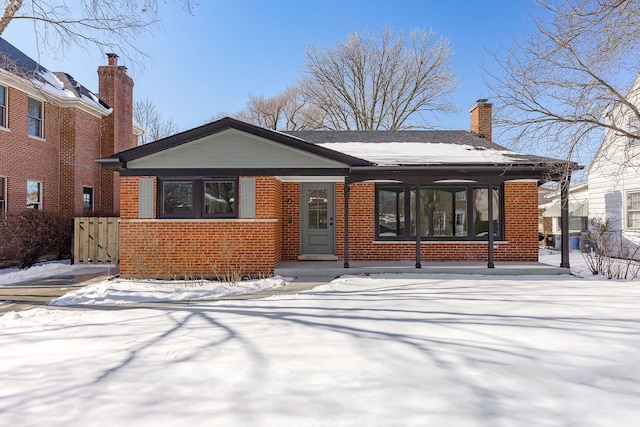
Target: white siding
x=615 y=171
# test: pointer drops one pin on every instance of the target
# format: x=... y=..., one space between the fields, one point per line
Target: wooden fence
x=95 y=240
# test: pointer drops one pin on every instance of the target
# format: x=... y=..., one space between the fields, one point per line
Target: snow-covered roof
x=59 y=84
x=418 y=147
x=416 y=153
x=361 y=155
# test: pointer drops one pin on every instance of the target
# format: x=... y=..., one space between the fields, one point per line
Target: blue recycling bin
x=574 y=242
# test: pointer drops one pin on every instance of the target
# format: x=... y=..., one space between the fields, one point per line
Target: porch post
x=418 y=232
x=346 y=223
x=564 y=221
x=490 y=218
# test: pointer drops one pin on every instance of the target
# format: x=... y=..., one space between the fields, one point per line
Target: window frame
x=92 y=199
x=628 y=210
x=39 y=120
x=37 y=205
x=4 y=116
x=3 y=195
x=198 y=198
x=408 y=235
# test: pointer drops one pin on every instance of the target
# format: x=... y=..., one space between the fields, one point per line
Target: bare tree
x=146 y=115
x=286 y=111
x=379 y=83
x=108 y=25
x=571 y=81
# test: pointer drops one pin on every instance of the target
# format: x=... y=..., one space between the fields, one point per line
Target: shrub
x=28 y=236
x=607 y=246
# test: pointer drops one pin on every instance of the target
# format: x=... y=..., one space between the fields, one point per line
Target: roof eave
x=230 y=123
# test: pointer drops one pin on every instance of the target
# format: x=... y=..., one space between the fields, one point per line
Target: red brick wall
x=151 y=248
x=521 y=237
x=88 y=132
x=116 y=89
x=166 y=247
x=26 y=158
x=79 y=133
x=64 y=160
x=290 y=220
x=169 y=247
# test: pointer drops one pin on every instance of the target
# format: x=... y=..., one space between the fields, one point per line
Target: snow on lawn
x=396 y=350
x=12 y=275
x=121 y=291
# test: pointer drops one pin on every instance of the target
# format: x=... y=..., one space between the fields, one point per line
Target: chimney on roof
x=113 y=59
x=115 y=90
x=481 y=122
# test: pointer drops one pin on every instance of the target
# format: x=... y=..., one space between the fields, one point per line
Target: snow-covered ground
x=396 y=350
x=13 y=275
x=121 y=291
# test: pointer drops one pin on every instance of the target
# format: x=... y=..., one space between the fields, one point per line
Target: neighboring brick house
x=232 y=195
x=52 y=129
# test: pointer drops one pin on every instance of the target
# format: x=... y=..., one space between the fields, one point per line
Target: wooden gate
x=95 y=240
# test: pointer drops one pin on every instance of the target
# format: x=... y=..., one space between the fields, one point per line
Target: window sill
x=439 y=242
x=4 y=129
x=36 y=138
x=201 y=220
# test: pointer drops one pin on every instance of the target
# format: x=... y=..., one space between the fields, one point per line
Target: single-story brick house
x=231 y=194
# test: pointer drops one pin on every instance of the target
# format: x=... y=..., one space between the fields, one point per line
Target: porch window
x=445 y=212
x=481 y=211
x=197 y=198
x=442 y=211
x=633 y=210
x=391 y=212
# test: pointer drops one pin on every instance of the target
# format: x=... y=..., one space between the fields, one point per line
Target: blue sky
x=213 y=60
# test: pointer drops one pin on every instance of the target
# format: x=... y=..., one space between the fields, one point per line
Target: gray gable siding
x=232 y=149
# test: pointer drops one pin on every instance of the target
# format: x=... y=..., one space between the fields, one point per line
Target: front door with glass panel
x=318 y=218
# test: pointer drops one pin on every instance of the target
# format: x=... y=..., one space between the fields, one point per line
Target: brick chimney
x=116 y=90
x=481 y=123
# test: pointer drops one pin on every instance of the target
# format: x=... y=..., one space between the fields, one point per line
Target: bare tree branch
x=146 y=115
x=572 y=81
x=106 y=25
x=388 y=82
x=286 y=111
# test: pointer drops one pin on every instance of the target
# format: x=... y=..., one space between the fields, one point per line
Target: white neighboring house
x=614 y=178
x=578 y=208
